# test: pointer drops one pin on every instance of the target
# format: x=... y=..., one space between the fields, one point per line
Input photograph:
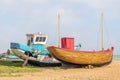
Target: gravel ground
x=109 y=72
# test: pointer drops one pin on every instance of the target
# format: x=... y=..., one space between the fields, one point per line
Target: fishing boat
x=96 y=58
x=67 y=54
x=34 y=52
x=9 y=56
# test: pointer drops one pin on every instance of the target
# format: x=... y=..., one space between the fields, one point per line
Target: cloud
x=109 y=7
x=78 y=18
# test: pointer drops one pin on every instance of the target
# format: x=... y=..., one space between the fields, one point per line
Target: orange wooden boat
x=82 y=57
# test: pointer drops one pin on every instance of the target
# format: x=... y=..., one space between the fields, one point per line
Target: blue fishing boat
x=35 y=50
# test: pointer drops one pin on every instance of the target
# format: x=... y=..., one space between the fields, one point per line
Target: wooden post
x=25 y=62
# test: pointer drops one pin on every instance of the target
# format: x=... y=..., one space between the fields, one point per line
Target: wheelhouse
x=36 y=39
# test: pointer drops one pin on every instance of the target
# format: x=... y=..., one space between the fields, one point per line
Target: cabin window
x=40 y=39
x=28 y=43
x=31 y=39
x=44 y=38
x=37 y=39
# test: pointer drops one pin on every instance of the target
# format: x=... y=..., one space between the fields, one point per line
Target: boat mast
x=102 y=31
x=58 y=29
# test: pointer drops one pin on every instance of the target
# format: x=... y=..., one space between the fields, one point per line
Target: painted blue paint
x=45 y=51
x=20 y=46
x=36 y=48
x=40 y=48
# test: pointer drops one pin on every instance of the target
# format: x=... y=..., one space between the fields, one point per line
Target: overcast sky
x=80 y=19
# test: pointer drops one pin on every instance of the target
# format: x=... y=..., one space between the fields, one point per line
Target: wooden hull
x=42 y=60
x=21 y=54
x=81 y=57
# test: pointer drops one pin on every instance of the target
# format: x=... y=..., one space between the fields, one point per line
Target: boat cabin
x=67 y=43
x=36 y=39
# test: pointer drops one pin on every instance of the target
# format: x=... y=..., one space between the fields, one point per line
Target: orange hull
x=82 y=57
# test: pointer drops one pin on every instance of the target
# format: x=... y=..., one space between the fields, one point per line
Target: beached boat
x=82 y=57
x=67 y=54
x=9 y=56
x=40 y=60
x=35 y=51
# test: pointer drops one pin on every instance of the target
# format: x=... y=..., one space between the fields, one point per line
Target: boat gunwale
x=107 y=50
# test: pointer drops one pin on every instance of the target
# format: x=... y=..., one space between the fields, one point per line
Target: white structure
x=36 y=39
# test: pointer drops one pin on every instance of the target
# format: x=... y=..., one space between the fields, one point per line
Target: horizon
x=79 y=19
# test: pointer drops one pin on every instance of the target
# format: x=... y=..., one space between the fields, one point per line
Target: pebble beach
x=109 y=72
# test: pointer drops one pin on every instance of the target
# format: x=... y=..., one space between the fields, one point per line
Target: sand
x=109 y=72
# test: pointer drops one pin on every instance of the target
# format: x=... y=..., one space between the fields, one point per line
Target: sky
x=80 y=19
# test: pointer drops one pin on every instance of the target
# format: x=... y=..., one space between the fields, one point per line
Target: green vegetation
x=14 y=68
x=57 y=68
